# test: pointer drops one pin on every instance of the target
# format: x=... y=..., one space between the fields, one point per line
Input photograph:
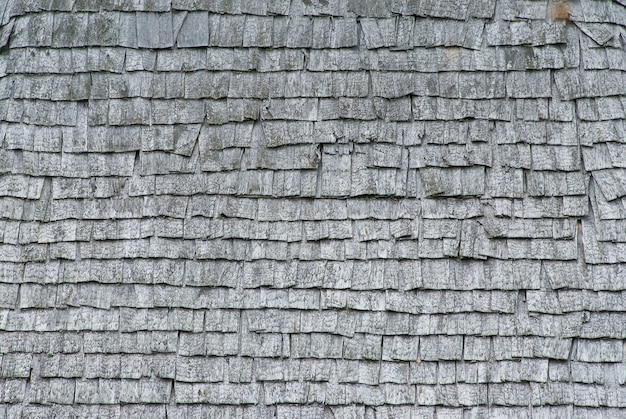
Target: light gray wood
x=219 y=208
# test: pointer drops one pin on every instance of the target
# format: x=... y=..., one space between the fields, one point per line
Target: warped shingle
x=612 y=182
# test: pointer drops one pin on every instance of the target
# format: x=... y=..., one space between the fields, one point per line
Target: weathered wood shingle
x=310 y=208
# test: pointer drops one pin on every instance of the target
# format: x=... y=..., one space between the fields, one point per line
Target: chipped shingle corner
x=312 y=208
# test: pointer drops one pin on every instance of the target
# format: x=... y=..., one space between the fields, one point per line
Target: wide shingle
x=154 y=30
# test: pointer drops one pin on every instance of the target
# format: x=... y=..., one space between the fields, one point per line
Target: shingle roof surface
x=313 y=208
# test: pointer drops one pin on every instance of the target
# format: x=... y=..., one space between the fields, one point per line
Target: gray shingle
x=368 y=8
x=432 y=33
x=291 y=392
x=450 y=208
x=378 y=33
x=527 y=84
x=5 y=32
x=332 y=8
x=154 y=30
x=445 y=9
x=391 y=85
x=195 y=369
x=601 y=34
x=556 y=184
x=217 y=393
x=610 y=182
x=599 y=351
x=35 y=30
x=290 y=109
x=279 y=133
x=70 y=30
x=441 y=348
x=148 y=219
x=452 y=182
x=194 y=31
x=349 y=108
x=103 y=29
x=128 y=30
x=258 y=31
x=343 y=33
x=299 y=30
x=181 y=59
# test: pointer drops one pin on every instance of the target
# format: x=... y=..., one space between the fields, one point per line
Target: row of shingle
x=341 y=291
x=356 y=334
x=62 y=391
x=573 y=323
x=158 y=391
x=446 y=9
x=437 y=59
x=596 y=252
x=197 y=369
x=199 y=29
x=302 y=84
x=361 y=333
x=545 y=336
x=175 y=206
x=73 y=165
x=179 y=139
x=272 y=7
x=357 y=182
x=14 y=232
x=510 y=10
x=288 y=411
x=338 y=250
x=543 y=249
x=448 y=59
x=413 y=175
x=550 y=275
x=150 y=337
x=553 y=200
x=245 y=370
x=559 y=164
x=345 y=294
x=370 y=346
x=336 y=293
x=202 y=29
x=465 y=141
x=73 y=230
x=41 y=114
x=430 y=273
x=262 y=318
x=25 y=232
x=318 y=397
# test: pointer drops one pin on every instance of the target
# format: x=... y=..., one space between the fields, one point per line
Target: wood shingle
x=306 y=208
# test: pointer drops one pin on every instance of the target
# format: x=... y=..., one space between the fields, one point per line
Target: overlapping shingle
x=312 y=208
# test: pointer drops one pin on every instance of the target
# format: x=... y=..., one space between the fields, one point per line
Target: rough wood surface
x=313 y=208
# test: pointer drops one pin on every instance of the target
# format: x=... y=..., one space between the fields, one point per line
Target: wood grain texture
x=312 y=208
